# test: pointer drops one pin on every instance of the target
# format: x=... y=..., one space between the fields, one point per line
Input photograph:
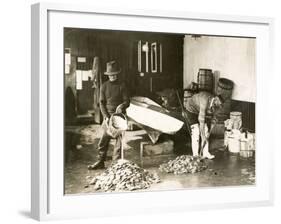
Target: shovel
x=203 y=146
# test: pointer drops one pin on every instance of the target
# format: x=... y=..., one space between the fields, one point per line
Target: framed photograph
x=131 y=118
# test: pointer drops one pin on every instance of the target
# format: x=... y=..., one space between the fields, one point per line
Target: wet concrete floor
x=80 y=151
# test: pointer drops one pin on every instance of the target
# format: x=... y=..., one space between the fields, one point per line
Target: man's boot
x=195 y=139
x=97 y=165
x=100 y=163
x=206 y=153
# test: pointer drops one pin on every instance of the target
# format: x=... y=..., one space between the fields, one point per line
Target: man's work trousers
x=104 y=142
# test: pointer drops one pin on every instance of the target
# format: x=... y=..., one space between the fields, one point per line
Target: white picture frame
x=48 y=201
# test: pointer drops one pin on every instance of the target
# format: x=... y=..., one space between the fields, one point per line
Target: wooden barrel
x=225 y=88
x=205 y=80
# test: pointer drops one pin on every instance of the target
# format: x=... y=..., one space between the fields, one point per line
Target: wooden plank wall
x=248 y=113
x=122 y=46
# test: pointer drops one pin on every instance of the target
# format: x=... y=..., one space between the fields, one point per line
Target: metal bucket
x=117 y=125
x=205 y=80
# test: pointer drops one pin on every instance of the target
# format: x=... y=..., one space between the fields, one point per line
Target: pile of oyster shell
x=184 y=164
x=124 y=176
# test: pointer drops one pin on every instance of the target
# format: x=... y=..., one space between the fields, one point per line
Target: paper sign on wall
x=67 y=59
x=86 y=75
x=78 y=80
x=81 y=59
x=67 y=69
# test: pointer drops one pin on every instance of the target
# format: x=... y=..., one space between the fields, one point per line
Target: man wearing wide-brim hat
x=113 y=99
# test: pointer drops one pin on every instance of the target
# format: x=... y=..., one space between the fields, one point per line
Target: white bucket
x=234 y=141
x=233 y=144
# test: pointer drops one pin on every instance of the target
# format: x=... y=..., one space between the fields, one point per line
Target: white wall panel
x=231 y=57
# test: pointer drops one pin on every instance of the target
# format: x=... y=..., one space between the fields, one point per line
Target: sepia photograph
x=152 y=111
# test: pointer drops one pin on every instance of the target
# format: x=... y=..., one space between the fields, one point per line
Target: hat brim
x=112 y=73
